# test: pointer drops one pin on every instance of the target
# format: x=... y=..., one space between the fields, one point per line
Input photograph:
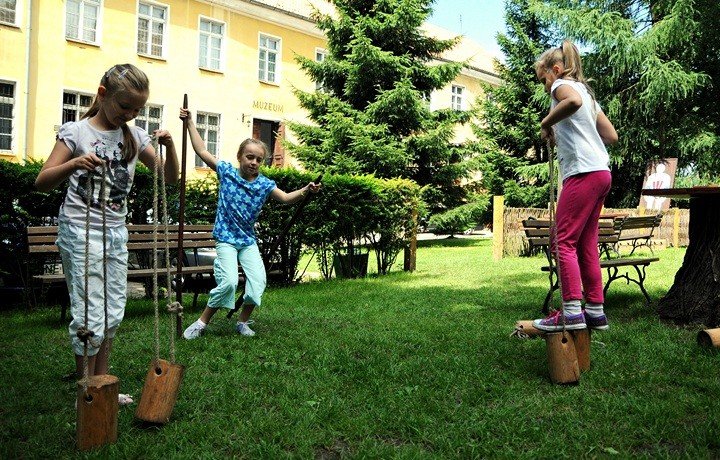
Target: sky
x=478 y=20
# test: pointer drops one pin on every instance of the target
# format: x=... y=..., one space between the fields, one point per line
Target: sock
x=201 y=324
x=571 y=307
x=594 y=309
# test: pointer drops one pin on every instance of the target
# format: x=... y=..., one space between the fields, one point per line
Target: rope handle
x=553 y=224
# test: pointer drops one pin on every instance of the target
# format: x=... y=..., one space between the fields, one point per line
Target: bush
x=460 y=219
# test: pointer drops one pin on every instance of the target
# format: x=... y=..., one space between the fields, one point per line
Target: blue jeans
x=226 y=275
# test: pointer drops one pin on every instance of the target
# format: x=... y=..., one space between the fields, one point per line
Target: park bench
x=637 y=230
x=197 y=270
x=537 y=232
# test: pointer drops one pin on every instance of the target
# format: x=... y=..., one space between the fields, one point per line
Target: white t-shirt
x=579 y=146
x=82 y=138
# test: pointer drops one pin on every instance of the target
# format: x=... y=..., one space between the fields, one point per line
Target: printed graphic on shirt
x=117 y=177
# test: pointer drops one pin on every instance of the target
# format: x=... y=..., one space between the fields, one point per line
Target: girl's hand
x=312 y=187
x=548 y=135
x=163 y=136
x=185 y=113
x=87 y=162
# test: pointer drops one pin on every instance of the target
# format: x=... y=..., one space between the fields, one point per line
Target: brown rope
x=154 y=255
x=553 y=226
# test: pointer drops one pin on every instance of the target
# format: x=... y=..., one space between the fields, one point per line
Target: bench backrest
x=648 y=223
x=42 y=239
x=537 y=232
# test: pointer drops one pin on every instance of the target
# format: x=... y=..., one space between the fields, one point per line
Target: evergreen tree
x=371 y=114
x=511 y=114
x=653 y=62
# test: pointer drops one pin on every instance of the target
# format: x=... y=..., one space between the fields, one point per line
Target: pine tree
x=371 y=114
x=653 y=64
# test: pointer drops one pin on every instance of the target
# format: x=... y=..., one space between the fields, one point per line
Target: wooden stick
x=160 y=392
x=709 y=338
x=562 y=358
x=97 y=412
x=581 y=337
x=181 y=219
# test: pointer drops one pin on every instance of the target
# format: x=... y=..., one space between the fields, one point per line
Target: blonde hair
x=568 y=55
x=121 y=77
x=249 y=141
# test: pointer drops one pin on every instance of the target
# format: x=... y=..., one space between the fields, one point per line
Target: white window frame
x=12 y=100
x=18 y=14
x=263 y=69
x=146 y=119
x=203 y=128
x=324 y=53
x=209 y=36
x=82 y=20
x=147 y=51
x=457 y=100
x=79 y=109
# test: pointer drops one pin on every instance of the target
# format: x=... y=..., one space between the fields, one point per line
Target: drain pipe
x=27 y=78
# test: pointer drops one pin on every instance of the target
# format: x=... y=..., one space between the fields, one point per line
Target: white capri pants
x=71 y=242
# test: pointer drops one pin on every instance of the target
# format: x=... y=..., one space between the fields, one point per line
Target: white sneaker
x=244 y=328
x=194 y=330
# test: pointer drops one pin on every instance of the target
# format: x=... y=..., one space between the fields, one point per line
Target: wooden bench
x=537 y=233
x=638 y=230
x=41 y=242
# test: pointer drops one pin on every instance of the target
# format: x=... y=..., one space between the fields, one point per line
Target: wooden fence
x=509 y=239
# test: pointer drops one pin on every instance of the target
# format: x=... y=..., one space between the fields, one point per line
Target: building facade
x=235 y=60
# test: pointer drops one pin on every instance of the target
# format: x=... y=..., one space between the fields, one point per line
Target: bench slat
x=134 y=273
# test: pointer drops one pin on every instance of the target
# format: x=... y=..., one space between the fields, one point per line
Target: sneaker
x=244 y=328
x=193 y=331
x=599 y=323
x=554 y=322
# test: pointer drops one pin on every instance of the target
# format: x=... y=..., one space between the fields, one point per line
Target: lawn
x=410 y=365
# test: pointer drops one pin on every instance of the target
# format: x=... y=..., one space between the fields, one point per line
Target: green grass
x=410 y=365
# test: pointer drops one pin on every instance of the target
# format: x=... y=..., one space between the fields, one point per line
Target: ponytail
x=567 y=54
x=121 y=77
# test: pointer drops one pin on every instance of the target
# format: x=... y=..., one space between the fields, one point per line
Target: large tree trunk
x=695 y=295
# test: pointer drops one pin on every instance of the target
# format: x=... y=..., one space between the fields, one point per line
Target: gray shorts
x=71 y=242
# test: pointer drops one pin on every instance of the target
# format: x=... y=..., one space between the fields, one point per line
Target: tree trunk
x=695 y=294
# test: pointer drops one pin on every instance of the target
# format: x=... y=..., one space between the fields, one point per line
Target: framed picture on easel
x=659 y=174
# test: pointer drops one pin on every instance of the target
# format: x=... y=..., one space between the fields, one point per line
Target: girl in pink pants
x=578 y=127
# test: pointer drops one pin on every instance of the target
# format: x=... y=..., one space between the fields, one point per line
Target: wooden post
x=709 y=338
x=562 y=358
x=160 y=392
x=581 y=337
x=676 y=228
x=498 y=226
x=181 y=220
x=410 y=252
x=97 y=412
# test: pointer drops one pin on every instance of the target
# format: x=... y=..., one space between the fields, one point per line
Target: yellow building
x=235 y=59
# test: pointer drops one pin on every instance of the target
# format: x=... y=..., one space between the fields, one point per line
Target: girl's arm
x=60 y=165
x=569 y=101
x=197 y=143
x=171 y=168
x=605 y=129
x=294 y=197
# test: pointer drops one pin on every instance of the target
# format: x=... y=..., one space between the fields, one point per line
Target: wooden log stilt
x=709 y=338
x=526 y=327
x=581 y=337
x=562 y=358
x=160 y=392
x=97 y=412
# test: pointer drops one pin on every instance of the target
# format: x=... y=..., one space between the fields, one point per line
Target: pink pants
x=578 y=212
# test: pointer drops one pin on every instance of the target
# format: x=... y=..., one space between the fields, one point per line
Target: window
x=211 y=42
x=7 y=104
x=208 y=126
x=149 y=118
x=457 y=97
x=320 y=56
x=75 y=105
x=152 y=21
x=81 y=19
x=268 y=51
x=8 y=12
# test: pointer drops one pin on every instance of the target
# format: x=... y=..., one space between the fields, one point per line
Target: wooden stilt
x=97 y=412
x=709 y=338
x=526 y=327
x=581 y=338
x=562 y=358
x=160 y=392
